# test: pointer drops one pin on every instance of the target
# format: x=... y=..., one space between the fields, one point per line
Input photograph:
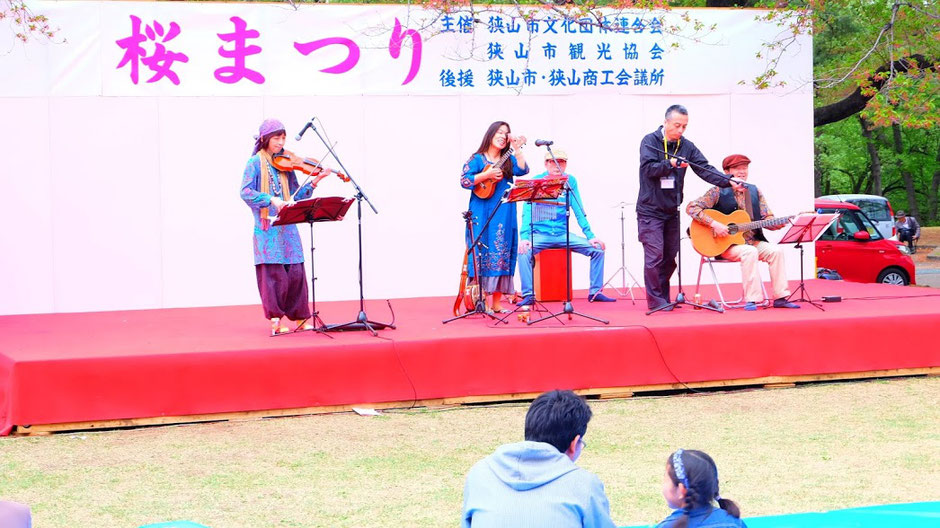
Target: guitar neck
x=770 y=222
x=502 y=159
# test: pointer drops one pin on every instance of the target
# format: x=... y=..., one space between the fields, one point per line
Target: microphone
x=305 y=128
x=543 y=142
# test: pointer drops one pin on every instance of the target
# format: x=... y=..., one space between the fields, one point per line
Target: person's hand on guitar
x=719 y=229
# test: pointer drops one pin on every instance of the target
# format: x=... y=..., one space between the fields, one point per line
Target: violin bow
x=301 y=186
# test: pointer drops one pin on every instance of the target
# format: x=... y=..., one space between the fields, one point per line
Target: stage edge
x=602 y=393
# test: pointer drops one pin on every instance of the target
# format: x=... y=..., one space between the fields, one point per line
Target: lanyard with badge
x=669 y=182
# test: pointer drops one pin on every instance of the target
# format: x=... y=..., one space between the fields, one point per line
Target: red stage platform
x=61 y=371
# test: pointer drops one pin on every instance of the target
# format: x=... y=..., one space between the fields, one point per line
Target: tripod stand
x=308 y=211
x=362 y=321
x=479 y=304
x=567 y=307
x=623 y=271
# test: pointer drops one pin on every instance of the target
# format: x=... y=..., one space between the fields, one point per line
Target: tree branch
x=857 y=100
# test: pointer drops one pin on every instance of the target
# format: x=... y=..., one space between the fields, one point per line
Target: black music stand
x=806 y=228
x=325 y=209
x=535 y=190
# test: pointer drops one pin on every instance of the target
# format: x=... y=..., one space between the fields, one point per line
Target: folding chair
x=739 y=302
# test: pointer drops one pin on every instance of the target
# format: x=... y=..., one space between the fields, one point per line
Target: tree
x=24 y=22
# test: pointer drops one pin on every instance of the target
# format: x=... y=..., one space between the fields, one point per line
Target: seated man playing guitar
x=709 y=211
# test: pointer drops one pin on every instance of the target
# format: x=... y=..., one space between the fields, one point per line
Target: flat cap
x=735 y=160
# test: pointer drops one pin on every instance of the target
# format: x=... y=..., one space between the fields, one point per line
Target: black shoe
x=528 y=300
x=600 y=297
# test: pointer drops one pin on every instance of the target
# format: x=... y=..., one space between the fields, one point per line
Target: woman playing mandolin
x=279 y=256
x=488 y=173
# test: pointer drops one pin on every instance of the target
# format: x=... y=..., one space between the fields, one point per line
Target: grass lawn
x=814 y=447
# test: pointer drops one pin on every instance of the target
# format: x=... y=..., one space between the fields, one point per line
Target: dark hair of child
x=699 y=474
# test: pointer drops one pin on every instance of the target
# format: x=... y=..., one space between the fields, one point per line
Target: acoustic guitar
x=485 y=189
x=738 y=222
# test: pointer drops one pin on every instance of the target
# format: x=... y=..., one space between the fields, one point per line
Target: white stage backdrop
x=124 y=146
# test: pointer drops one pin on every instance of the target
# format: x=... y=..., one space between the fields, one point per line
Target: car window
x=876 y=210
x=847 y=225
x=868 y=225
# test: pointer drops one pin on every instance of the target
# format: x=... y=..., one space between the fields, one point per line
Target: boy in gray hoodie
x=536 y=483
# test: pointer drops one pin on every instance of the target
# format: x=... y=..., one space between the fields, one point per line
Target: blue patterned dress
x=277 y=244
x=279 y=257
x=500 y=240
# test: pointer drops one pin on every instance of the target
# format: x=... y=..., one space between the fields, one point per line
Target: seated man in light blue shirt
x=536 y=483
x=547 y=221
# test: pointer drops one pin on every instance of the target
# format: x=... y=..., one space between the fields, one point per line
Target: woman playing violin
x=279 y=256
x=497 y=255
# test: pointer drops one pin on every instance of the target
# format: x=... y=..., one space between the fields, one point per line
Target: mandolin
x=485 y=189
x=705 y=242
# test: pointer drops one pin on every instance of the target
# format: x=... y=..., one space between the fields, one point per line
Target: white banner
x=124 y=146
x=238 y=49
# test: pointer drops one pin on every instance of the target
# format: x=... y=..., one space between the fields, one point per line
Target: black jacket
x=664 y=203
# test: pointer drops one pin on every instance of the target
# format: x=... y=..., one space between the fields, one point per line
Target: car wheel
x=893 y=276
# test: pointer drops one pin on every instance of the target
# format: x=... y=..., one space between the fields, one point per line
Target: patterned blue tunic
x=502 y=235
x=279 y=244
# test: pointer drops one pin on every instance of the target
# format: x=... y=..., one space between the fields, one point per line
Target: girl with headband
x=690 y=487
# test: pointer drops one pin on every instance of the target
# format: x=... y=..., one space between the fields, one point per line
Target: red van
x=854 y=247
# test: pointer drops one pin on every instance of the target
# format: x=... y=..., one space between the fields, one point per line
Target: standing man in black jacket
x=657 y=207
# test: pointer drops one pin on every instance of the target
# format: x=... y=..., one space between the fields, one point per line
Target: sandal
x=303 y=325
x=276 y=327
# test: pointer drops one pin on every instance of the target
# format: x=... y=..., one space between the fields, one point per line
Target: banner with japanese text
x=239 y=49
x=126 y=136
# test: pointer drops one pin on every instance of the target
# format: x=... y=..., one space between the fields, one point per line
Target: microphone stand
x=680 y=295
x=722 y=175
x=362 y=321
x=567 y=308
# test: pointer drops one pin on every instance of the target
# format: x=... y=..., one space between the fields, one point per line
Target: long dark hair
x=488 y=140
x=701 y=482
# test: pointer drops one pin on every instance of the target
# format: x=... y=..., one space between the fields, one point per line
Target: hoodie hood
x=526 y=465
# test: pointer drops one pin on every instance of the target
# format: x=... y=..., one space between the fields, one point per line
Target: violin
x=286 y=160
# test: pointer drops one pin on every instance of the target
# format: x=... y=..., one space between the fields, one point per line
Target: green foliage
x=841 y=158
x=845 y=166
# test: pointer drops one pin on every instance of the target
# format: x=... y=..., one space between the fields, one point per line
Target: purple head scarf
x=267 y=127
